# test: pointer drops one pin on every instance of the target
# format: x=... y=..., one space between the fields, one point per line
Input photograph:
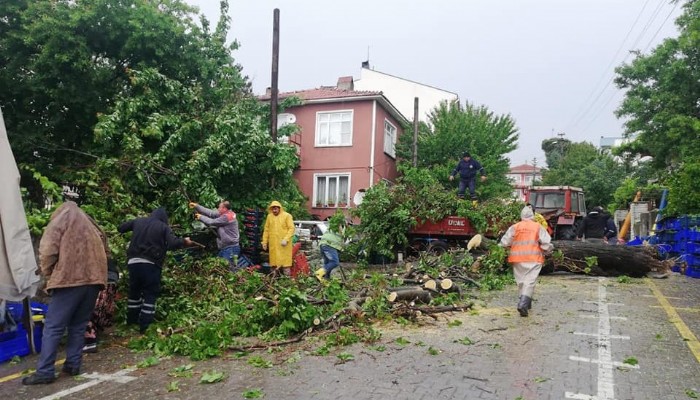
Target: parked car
x=310 y=230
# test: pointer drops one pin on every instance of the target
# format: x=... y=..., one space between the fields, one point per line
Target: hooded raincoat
x=278 y=229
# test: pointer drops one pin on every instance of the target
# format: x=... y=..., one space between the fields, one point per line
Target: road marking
x=623 y=337
x=676 y=320
x=607 y=304
x=606 y=383
x=20 y=374
x=668 y=297
x=118 y=376
x=606 y=363
x=686 y=309
x=595 y=316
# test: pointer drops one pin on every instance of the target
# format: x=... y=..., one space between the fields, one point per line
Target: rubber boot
x=524 y=305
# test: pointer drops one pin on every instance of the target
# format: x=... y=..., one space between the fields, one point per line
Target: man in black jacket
x=593 y=224
x=151 y=239
x=467 y=168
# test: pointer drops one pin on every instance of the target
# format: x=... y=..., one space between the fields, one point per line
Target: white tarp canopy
x=18 y=278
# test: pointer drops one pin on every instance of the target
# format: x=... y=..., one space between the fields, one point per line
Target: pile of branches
x=205 y=310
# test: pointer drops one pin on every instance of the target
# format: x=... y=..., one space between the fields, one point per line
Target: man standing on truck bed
x=467 y=169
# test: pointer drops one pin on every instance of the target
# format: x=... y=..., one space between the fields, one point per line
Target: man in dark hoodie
x=151 y=239
x=593 y=225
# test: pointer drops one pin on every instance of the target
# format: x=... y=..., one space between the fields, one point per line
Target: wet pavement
x=586 y=338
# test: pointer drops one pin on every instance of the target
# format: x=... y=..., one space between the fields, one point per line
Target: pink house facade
x=346 y=143
x=522 y=178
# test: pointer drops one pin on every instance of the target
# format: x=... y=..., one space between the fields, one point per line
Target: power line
x=655 y=14
x=662 y=25
x=612 y=60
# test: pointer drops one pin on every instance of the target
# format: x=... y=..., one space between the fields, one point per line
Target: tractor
x=562 y=206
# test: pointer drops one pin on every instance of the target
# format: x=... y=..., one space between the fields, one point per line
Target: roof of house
x=325 y=92
x=329 y=94
x=524 y=169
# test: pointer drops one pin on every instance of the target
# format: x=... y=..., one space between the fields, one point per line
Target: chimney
x=268 y=91
x=345 y=83
x=365 y=64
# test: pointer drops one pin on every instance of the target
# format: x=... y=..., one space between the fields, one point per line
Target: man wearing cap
x=467 y=169
x=528 y=241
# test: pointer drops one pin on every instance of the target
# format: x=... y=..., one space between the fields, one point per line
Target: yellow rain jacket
x=278 y=229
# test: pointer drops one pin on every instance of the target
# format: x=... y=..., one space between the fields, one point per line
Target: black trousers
x=144 y=289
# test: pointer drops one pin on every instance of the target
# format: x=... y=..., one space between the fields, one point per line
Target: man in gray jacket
x=226 y=224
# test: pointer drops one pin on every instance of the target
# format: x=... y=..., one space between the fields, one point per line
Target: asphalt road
x=587 y=338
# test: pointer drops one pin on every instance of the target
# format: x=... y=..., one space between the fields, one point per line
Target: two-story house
x=346 y=143
x=522 y=178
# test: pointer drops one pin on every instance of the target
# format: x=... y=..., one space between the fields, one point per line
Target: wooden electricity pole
x=415 y=132
x=274 y=89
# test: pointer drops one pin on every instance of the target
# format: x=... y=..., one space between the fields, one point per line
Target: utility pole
x=274 y=90
x=415 y=132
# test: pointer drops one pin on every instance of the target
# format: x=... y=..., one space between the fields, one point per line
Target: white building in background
x=401 y=92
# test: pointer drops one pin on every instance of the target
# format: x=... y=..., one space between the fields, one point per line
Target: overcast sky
x=547 y=63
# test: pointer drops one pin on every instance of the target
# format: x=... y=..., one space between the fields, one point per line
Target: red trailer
x=437 y=237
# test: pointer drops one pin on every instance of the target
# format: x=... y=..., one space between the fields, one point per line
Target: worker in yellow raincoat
x=277 y=237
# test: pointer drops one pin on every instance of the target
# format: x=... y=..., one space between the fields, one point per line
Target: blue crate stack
x=680 y=238
x=16 y=343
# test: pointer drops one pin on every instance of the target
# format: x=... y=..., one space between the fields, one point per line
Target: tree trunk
x=611 y=260
x=416 y=294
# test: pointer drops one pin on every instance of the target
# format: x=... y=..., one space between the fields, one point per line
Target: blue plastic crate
x=676 y=268
x=16 y=346
x=693 y=272
x=692 y=247
x=17 y=310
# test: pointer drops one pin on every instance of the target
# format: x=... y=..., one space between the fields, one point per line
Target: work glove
x=283 y=242
x=188 y=242
x=452 y=178
x=197 y=216
x=264 y=246
x=192 y=204
x=483 y=178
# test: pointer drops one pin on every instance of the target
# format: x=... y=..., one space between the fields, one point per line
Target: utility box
x=640 y=227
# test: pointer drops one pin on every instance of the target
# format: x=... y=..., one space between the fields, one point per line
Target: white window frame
x=325 y=196
x=321 y=115
x=390 y=138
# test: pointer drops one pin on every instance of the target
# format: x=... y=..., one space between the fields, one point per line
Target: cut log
x=417 y=295
x=611 y=260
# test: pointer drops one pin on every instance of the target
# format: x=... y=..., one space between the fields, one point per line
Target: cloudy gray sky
x=547 y=63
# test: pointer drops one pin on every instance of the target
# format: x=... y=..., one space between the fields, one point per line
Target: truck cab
x=562 y=206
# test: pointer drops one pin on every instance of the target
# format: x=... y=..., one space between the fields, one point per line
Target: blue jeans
x=228 y=252
x=70 y=309
x=331 y=258
x=463 y=184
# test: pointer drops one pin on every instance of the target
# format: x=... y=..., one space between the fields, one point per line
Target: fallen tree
x=600 y=259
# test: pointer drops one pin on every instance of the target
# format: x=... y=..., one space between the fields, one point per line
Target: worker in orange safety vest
x=528 y=242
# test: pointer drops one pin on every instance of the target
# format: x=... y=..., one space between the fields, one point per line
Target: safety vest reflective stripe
x=526 y=245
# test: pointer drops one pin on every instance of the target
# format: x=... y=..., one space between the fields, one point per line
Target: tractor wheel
x=416 y=247
x=568 y=232
x=437 y=248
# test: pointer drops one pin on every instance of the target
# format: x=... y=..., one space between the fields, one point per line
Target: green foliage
x=402 y=341
x=212 y=376
x=584 y=166
x=389 y=212
x=465 y=341
x=455 y=129
x=148 y=362
x=630 y=361
x=256 y=393
x=345 y=357
x=259 y=362
x=661 y=109
x=173 y=386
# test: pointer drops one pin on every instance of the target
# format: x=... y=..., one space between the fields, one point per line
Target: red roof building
x=522 y=178
x=346 y=142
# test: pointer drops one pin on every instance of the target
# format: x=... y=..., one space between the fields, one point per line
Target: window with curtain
x=332 y=190
x=334 y=128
